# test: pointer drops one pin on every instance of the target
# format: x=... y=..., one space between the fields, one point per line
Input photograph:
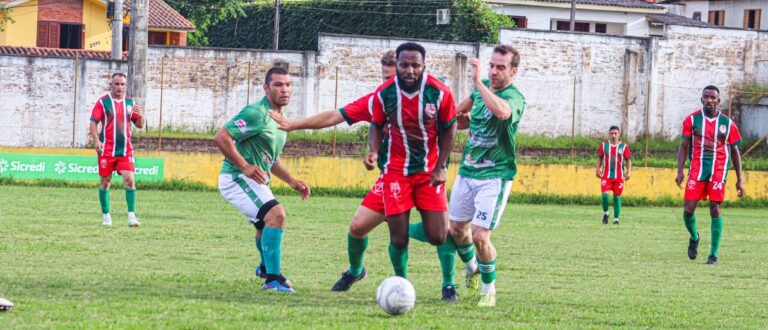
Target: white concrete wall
x=754 y=119
x=734 y=11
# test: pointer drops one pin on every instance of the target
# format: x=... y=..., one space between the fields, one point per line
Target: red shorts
x=108 y=164
x=615 y=185
x=374 y=199
x=700 y=190
x=402 y=194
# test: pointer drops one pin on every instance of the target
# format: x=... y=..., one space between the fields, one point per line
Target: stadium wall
x=203 y=87
x=349 y=173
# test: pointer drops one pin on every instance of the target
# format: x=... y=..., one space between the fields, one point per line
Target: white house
x=618 y=17
x=745 y=14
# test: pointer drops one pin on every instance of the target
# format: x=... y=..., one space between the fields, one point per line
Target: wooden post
x=248 y=97
x=573 y=124
x=162 y=80
x=74 y=108
x=137 y=53
x=336 y=106
x=647 y=121
x=754 y=146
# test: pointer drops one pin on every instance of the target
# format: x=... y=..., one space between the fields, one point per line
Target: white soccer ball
x=5 y=305
x=396 y=295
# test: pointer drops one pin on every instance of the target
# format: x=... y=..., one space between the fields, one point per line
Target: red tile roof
x=56 y=52
x=162 y=16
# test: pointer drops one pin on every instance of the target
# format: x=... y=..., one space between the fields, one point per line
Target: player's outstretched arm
x=280 y=171
x=681 y=156
x=445 y=140
x=462 y=113
x=227 y=146
x=318 y=121
x=736 y=156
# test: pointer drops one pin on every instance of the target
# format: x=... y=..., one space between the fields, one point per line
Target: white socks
x=472 y=265
x=489 y=288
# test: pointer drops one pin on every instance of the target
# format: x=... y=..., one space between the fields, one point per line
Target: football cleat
x=346 y=280
x=615 y=221
x=261 y=271
x=693 y=248
x=276 y=286
x=449 y=293
x=133 y=222
x=605 y=219
x=487 y=299
x=107 y=220
x=472 y=281
x=712 y=260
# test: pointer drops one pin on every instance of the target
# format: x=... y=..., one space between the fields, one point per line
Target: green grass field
x=191 y=266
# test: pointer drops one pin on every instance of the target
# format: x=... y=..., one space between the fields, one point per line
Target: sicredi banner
x=75 y=168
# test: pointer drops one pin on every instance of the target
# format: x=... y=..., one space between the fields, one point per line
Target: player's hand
x=370 y=161
x=138 y=110
x=282 y=122
x=301 y=187
x=626 y=176
x=256 y=173
x=438 y=176
x=740 y=188
x=462 y=121
x=679 y=179
x=598 y=174
x=99 y=147
x=474 y=63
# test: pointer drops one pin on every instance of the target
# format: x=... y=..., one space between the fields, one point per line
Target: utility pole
x=276 y=36
x=117 y=31
x=573 y=16
x=137 y=53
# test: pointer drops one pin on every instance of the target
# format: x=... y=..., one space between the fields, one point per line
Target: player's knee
x=129 y=183
x=104 y=184
x=357 y=229
x=399 y=242
x=688 y=210
x=715 y=211
x=275 y=218
x=481 y=240
x=437 y=238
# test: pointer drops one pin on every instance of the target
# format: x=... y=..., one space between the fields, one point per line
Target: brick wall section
x=66 y=11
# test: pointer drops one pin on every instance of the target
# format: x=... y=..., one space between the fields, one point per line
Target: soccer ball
x=5 y=304
x=396 y=295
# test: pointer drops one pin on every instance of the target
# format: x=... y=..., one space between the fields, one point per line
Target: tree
x=206 y=13
x=5 y=16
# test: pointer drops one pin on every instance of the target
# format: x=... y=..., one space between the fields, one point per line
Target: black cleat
x=346 y=280
x=605 y=219
x=712 y=260
x=615 y=221
x=693 y=248
x=449 y=293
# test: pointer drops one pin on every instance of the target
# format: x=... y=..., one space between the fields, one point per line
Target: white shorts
x=480 y=200
x=252 y=199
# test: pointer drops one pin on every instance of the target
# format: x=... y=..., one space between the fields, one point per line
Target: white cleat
x=107 y=220
x=133 y=222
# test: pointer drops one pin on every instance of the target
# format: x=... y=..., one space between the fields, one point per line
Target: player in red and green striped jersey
x=712 y=139
x=420 y=113
x=116 y=112
x=614 y=162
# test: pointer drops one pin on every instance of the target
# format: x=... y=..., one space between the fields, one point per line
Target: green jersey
x=256 y=137
x=490 y=151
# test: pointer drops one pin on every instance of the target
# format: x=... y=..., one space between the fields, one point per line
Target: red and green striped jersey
x=711 y=139
x=490 y=151
x=359 y=110
x=115 y=117
x=413 y=120
x=613 y=159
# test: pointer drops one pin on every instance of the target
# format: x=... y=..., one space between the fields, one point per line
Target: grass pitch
x=191 y=266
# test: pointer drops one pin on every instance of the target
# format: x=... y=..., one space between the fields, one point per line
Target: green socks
x=416 y=231
x=271 y=239
x=104 y=200
x=399 y=258
x=606 y=203
x=466 y=252
x=356 y=249
x=447 y=255
x=616 y=206
x=130 y=198
x=487 y=271
x=261 y=252
x=717 y=230
x=690 y=224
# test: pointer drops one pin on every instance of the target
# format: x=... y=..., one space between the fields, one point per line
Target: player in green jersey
x=252 y=144
x=492 y=113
